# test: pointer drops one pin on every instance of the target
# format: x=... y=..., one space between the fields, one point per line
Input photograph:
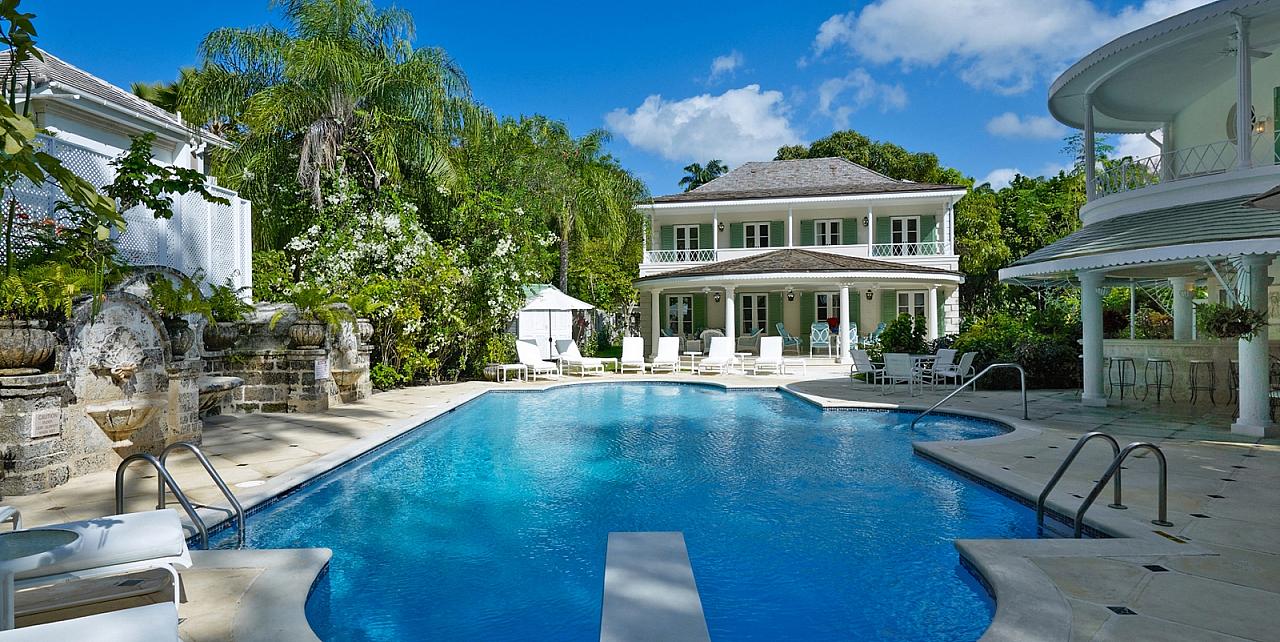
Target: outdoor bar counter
x=1220 y=351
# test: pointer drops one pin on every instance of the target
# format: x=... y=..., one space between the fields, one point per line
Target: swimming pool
x=490 y=523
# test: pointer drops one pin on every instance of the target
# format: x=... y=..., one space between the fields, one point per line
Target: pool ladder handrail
x=165 y=478
x=1022 y=376
x=1066 y=463
x=1162 y=518
x=236 y=508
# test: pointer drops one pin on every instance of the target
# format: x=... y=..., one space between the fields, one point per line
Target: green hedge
x=1046 y=348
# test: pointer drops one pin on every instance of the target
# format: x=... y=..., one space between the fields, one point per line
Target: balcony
x=1218 y=157
x=933 y=253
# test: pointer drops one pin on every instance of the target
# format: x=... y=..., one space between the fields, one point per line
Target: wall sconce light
x=720 y=226
x=1260 y=126
x=716 y=296
x=791 y=294
x=866 y=220
x=870 y=294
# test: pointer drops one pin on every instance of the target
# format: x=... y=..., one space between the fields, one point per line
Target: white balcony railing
x=1212 y=158
x=205 y=237
x=680 y=256
x=928 y=248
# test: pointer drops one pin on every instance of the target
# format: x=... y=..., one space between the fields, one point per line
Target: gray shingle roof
x=56 y=70
x=793 y=260
x=802 y=177
x=1225 y=220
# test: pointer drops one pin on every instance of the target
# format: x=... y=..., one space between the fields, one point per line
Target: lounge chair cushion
x=118 y=539
x=151 y=623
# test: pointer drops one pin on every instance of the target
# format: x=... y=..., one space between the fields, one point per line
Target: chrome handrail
x=1162 y=491
x=1022 y=377
x=217 y=479
x=1066 y=463
x=165 y=478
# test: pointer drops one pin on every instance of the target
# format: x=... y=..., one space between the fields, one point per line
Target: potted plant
x=227 y=309
x=27 y=300
x=173 y=301
x=315 y=315
x=364 y=307
x=1230 y=321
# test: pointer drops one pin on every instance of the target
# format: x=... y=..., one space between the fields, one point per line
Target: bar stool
x=1163 y=367
x=1115 y=368
x=1196 y=381
x=1233 y=382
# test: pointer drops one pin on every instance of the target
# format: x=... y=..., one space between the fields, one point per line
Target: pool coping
x=1028 y=604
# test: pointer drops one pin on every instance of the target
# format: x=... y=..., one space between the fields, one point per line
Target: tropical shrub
x=225 y=303
x=904 y=334
x=173 y=298
x=1048 y=350
x=1230 y=321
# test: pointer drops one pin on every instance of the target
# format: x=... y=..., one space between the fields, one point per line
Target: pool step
x=649 y=592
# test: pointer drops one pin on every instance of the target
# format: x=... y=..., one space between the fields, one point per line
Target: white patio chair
x=117 y=545
x=862 y=365
x=958 y=373
x=632 y=355
x=571 y=359
x=770 y=356
x=668 y=357
x=945 y=359
x=719 y=356
x=11 y=515
x=820 y=337
x=899 y=368
x=531 y=359
x=150 y=623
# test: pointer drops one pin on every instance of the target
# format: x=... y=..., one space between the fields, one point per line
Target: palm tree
x=165 y=95
x=340 y=78
x=696 y=175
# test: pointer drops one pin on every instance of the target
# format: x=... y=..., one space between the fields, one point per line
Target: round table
x=22 y=551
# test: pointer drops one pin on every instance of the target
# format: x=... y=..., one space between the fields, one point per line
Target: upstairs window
x=756 y=234
x=827 y=232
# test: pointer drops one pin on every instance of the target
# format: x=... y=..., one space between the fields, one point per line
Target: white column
x=715 y=230
x=871 y=231
x=656 y=325
x=1133 y=310
x=1091 y=320
x=1244 y=95
x=790 y=240
x=1089 y=161
x=1167 y=170
x=844 y=324
x=1182 y=308
x=1255 y=380
x=931 y=313
x=730 y=321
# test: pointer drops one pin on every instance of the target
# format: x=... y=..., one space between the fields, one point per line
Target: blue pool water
x=490 y=523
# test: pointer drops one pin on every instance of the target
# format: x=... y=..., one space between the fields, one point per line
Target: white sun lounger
x=632 y=355
x=720 y=356
x=770 y=358
x=116 y=545
x=532 y=361
x=571 y=358
x=668 y=357
x=151 y=623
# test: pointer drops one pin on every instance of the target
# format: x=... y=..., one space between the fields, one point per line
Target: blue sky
x=680 y=82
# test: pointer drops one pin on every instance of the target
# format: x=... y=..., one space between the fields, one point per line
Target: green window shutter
x=882 y=230
x=888 y=305
x=699 y=312
x=667 y=235
x=704 y=236
x=928 y=229
x=849 y=231
x=808 y=313
x=736 y=237
x=855 y=309
x=806 y=233
x=775 y=314
x=777 y=233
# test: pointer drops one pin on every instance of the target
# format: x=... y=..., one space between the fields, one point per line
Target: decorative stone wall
x=33 y=451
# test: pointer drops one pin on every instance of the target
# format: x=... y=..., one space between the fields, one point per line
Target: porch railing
x=1129 y=174
x=680 y=256
x=928 y=248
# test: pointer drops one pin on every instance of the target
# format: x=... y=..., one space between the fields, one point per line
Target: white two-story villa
x=799 y=241
x=1183 y=218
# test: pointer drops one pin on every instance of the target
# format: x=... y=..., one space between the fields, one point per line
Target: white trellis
x=205 y=237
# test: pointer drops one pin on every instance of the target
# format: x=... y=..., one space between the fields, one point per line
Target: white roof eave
x=939 y=195
x=1147 y=256
x=802 y=278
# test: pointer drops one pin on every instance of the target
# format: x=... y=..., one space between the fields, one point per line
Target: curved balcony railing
x=1129 y=174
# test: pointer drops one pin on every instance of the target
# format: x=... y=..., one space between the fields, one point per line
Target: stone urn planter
x=364 y=330
x=181 y=336
x=221 y=335
x=307 y=333
x=25 y=346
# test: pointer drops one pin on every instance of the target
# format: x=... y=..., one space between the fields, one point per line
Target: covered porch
x=1207 y=252
x=750 y=297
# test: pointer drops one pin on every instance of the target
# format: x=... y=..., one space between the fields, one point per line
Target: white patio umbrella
x=551 y=299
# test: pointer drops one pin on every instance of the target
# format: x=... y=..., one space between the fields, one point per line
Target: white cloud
x=1011 y=125
x=1136 y=146
x=1000 y=178
x=1005 y=45
x=737 y=126
x=862 y=91
x=725 y=64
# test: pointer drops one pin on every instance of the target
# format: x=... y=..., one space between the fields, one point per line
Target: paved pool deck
x=1214 y=575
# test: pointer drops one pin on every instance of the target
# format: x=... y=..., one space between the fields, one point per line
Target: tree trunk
x=564 y=262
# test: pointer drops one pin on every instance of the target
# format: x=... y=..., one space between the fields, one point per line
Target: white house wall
x=1205 y=120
